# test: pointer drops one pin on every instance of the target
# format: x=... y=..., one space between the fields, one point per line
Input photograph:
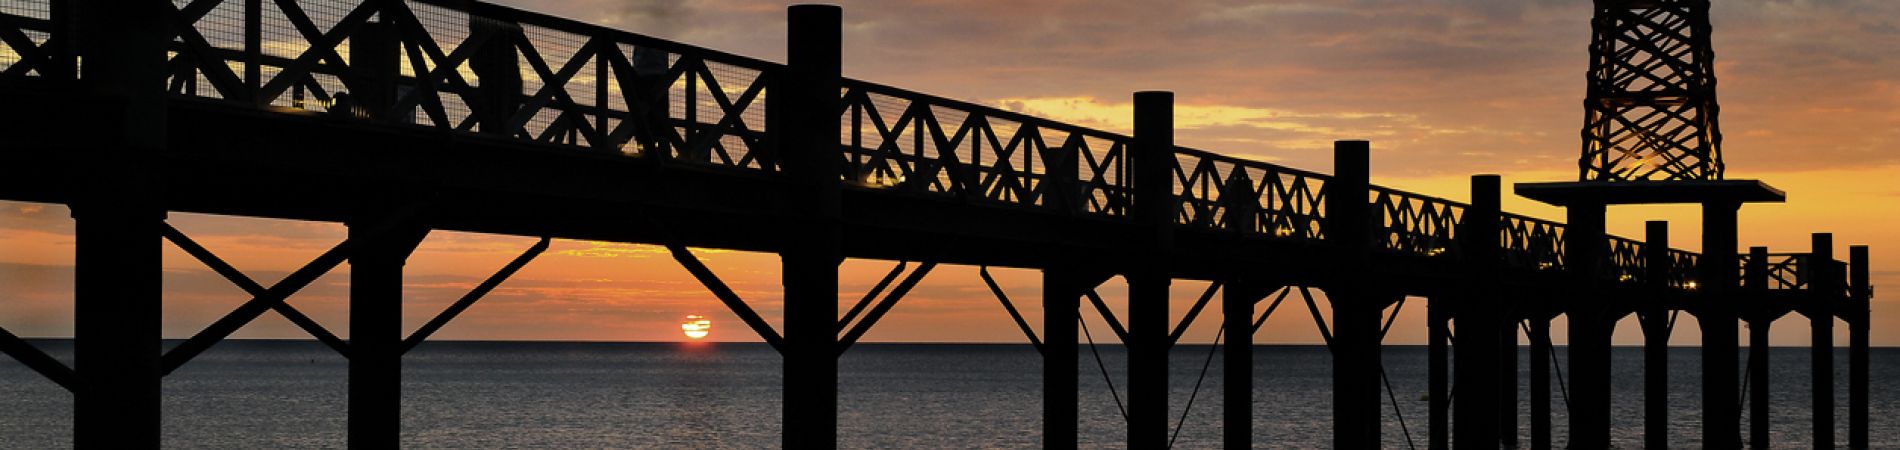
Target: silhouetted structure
x=473 y=117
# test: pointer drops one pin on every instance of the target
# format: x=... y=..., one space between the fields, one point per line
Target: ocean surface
x=291 y=394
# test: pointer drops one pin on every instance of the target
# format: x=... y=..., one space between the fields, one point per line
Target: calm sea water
x=277 y=394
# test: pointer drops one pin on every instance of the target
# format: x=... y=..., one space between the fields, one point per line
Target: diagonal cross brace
x=890 y=300
x=469 y=299
x=38 y=360
x=256 y=290
x=1011 y=307
x=1180 y=329
x=1108 y=315
x=725 y=294
x=276 y=294
x=1318 y=319
x=1392 y=318
x=1270 y=308
x=872 y=295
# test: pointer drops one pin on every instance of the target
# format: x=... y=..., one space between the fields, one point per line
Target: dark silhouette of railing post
x=810 y=148
x=1721 y=416
x=1356 y=308
x=1238 y=295
x=1062 y=290
x=498 y=66
x=118 y=213
x=1654 y=319
x=1590 y=327
x=1857 y=315
x=1481 y=325
x=1755 y=279
x=376 y=331
x=1826 y=285
x=1438 y=330
x=1148 y=276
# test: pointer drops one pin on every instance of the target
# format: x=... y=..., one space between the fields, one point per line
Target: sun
x=696 y=327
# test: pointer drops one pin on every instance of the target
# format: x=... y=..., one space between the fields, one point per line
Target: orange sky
x=1443 y=88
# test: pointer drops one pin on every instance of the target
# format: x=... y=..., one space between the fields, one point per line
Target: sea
x=291 y=394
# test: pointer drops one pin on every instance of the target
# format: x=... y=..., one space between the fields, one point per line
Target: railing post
x=498 y=66
x=1478 y=367
x=376 y=331
x=1355 y=346
x=1062 y=290
x=1857 y=315
x=810 y=151
x=1755 y=278
x=1721 y=417
x=1590 y=328
x=1826 y=289
x=117 y=212
x=1148 y=277
x=1655 y=324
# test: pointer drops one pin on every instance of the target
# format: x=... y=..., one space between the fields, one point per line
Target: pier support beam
x=1826 y=282
x=1539 y=337
x=812 y=236
x=1507 y=381
x=376 y=332
x=1148 y=360
x=1356 y=311
x=118 y=216
x=1857 y=314
x=1758 y=382
x=1485 y=397
x=1721 y=415
x=1590 y=325
x=1654 y=320
x=1357 y=409
x=1148 y=277
x=1062 y=290
x=1438 y=332
x=1239 y=293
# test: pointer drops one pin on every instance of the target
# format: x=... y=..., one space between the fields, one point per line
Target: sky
x=1443 y=88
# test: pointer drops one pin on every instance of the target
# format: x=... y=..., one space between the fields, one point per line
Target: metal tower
x=1650 y=111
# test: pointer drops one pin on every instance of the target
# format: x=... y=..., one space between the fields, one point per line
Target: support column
x=1148 y=276
x=117 y=212
x=1357 y=409
x=1061 y=297
x=1540 y=382
x=1507 y=382
x=1590 y=328
x=1238 y=295
x=1827 y=285
x=1758 y=382
x=1857 y=315
x=809 y=148
x=1655 y=324
x=1482 y=326
x=1356 y=312
x=376 y=332
x=1755 y=279
x=1438 y=318
x=1721 y=416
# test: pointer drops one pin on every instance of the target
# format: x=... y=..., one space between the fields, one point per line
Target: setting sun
x=696 y=326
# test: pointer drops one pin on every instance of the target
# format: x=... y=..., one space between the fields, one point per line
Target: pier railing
x=472 y=67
